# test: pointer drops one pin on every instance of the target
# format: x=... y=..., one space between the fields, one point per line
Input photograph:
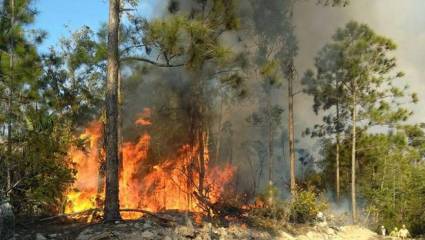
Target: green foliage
x=179 y=35
x=271 y=73
x=366 y=67
x=358 y=62
x=390 y=178
x=275 y=214
x=269 y=212
x=269 y=196
x=305 y=205
x=44 y=171
x=168 y=34
x=187 y=39
x=355 y=83
x=266 y=118
x=212 y=76
x=270 y=219
x=46 y=98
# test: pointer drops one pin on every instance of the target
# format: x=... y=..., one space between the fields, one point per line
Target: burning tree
x=144 y=185
x=202 y=57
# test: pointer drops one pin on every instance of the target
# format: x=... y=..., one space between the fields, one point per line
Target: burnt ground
x=177 y=227
x=65 y=229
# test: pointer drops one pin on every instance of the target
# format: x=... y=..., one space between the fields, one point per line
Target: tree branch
x=158 y=64
x=132 y=46
x=13 y=187
x=127 y=9
x=296 y=93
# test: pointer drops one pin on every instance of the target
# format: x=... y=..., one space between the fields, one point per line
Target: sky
x=60 y=17
x=401 y=20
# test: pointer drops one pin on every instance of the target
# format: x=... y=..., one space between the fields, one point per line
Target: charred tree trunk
x=111 y=210
x=202 y=141
x=102 y=169
x=198 y=131
x=201 y=154
x=291 y=131
x=218 y=141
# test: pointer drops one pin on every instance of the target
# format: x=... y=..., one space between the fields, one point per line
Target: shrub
x=305 y=205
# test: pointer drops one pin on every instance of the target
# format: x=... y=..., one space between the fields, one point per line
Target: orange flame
x=143 y=120
x=84 y=192
x=168 y=185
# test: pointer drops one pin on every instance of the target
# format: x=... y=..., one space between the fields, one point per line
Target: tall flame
x=168 y=185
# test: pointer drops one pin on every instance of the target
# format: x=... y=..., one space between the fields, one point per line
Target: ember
x=168 y=185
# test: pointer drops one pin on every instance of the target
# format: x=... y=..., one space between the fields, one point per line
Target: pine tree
x=168 y=39
x=363 y=63
x=112 y=207
x=19 y=66
x=325 y=85
x=277 y=44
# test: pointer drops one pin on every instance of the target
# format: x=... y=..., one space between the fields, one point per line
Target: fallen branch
x=164 y=220
x=205 y=204
x=69 y=215
x=92 y=211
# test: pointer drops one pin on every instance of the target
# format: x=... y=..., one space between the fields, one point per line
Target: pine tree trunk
x=353 y=158
x=291 y=130
x=231 y=149
x=338 y=144
x=120 y=117
x=120 y=122
x=7 y=217
x=269 y=140
x=201 y=153
x=338 y=187
x=337 y=170
x=10 y=99
x=384 y=173
x=218 y=142
x=111 y=211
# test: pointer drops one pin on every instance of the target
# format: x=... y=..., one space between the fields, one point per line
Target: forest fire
x=170 y=184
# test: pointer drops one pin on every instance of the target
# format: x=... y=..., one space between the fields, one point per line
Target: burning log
x=165 y=222
x=205 y=204
x=91 y=213
x=218 y=209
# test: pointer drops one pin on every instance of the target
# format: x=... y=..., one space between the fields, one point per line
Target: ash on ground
x=180 y=228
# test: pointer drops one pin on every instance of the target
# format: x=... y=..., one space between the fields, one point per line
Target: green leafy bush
x=305 y=205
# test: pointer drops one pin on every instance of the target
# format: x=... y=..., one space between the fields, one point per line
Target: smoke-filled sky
x=401 y=20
